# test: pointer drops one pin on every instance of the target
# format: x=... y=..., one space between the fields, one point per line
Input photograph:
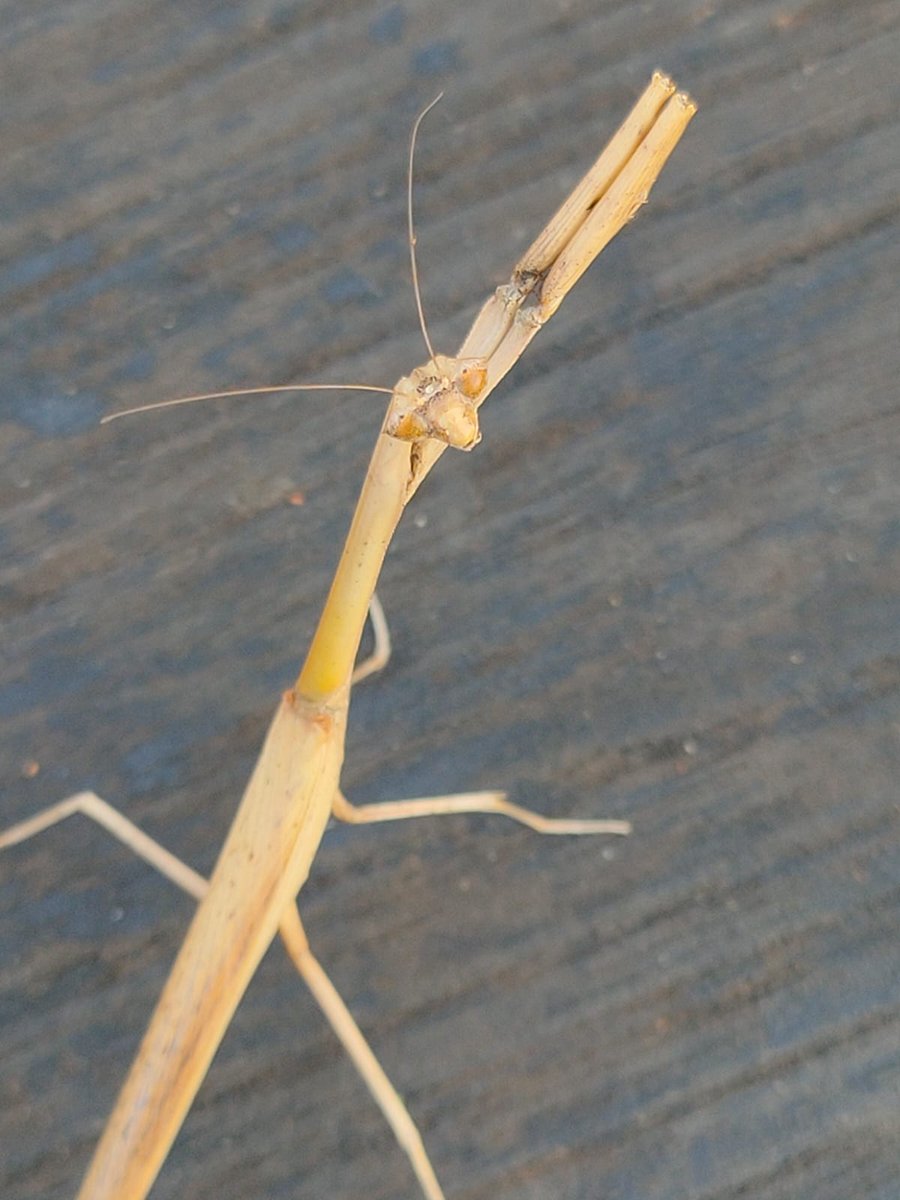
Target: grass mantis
x=295 y=786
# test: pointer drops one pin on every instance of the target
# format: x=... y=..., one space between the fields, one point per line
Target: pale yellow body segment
x=263 y=864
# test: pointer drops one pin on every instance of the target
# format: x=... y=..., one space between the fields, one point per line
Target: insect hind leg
x=96 y=809
x=360 y=1052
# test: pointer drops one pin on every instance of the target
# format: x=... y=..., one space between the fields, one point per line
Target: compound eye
x=409 y=426
x=472 y=379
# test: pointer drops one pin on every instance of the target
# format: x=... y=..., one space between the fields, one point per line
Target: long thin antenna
x=319 y=387
x=254 y=391
x=409 y=220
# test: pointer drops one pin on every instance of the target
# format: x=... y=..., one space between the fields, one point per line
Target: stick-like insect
x=295 y=785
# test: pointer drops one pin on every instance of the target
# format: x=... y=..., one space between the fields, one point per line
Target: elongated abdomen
x=263 y=864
